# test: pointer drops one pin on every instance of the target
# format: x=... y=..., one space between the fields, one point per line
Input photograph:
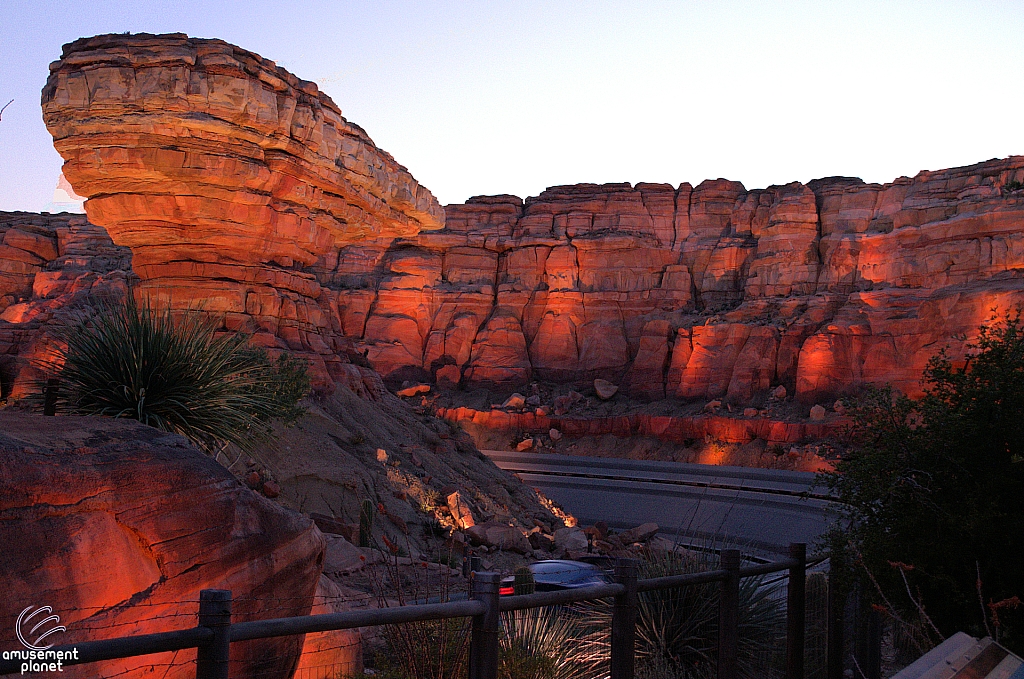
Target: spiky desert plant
x=677 y=629
x=176 y=374
x=548 y=643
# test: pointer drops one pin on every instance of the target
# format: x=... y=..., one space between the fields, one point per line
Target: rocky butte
x=241 y=188
x=231 y=180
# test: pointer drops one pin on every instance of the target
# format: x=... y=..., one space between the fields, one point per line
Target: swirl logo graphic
x=25 y=619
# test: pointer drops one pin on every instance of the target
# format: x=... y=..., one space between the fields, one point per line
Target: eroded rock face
x=119 y=526
x=50 y=266
x=232 y=181
x=700 y=292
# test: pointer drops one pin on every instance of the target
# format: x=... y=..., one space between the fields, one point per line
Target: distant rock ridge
x=227 y=176
x=699 y=292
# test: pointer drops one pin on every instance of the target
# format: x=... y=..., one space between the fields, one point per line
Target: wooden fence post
x=624 y=620
x=483 y=645
x=836 y=616
x=796 y=607
x=729 y=616
x=215 y=614
x=50 y=396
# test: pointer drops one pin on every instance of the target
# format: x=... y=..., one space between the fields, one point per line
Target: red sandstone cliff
x=699 y=293
x=227 y=176
x=240 y=187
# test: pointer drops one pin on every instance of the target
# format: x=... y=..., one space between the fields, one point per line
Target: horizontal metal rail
x=325 y=622
x=687 y=579
x=123 y=647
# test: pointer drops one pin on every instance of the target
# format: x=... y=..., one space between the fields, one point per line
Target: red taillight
x=506 y=591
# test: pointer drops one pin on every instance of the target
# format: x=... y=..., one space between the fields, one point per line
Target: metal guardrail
x=214 y=633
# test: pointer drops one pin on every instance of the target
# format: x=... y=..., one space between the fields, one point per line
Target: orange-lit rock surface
x=54 y=265
x=232 y=181
x=706 y=292
x=118 y=526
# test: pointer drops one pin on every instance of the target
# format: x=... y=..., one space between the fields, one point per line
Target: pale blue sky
x=511 y=97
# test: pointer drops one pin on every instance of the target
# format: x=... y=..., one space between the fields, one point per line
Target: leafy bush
x=181 y=376
x=933 y=490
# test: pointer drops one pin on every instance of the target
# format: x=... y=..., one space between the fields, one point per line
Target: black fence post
x=483 y=645
x=836 y=616
x=624 y=620
x=729 y=616
x=873 y=656
x=796 y=608
x=50 y=396
x=215 y=614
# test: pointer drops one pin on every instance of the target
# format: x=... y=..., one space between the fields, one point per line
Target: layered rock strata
x=118 y=526
x=699 y=293
x=50 y=266
x=231 y=180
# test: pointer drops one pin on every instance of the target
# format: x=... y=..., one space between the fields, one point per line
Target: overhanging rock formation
x=231 y=180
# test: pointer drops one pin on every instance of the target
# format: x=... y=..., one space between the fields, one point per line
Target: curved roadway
x=759 y=511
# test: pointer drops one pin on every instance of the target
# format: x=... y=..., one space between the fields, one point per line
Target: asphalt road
x=759 y=511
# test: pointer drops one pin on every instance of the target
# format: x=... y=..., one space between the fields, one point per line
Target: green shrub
x=178 y=375
x=933 y=492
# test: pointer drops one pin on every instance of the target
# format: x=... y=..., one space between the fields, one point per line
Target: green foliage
x=178 y=375
x=933 y=490
x=366 y=511
x=1013 y=185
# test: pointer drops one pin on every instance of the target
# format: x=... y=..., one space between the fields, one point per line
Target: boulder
x=554 y=434
x=817 y=413
x=514 y=401
x=461 y=513
x=82 y=498
x=639 y=534
x=604 y=389
x=571 y=539
x=524 y=445
x=500 y=536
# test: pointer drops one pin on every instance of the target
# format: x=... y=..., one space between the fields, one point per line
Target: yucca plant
x=176 y=374
x=545 y=643
x=677 y=629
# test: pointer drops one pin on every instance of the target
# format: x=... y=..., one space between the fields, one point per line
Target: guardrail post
x=483 y=645
x=50 y=396
x=624 y=620
x=836 y=613
x=796 y=605
x=729 y=615
x=215 y=614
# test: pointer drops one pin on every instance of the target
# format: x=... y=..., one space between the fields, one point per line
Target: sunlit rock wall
x=698 y=292
x=227 y=176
